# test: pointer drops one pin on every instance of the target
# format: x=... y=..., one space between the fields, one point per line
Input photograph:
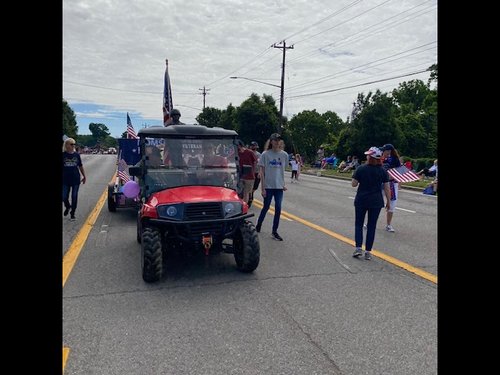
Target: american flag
x=403 y=174
x=122 y=171
x=130 y=129
x=167 y=97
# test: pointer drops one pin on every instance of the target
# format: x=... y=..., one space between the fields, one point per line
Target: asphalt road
x=309 y=308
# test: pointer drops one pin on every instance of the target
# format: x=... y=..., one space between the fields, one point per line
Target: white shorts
x=393 y=203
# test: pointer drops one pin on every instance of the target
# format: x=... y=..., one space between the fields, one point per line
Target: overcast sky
x=114 y=54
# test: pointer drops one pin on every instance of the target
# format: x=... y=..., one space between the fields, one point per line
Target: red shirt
x=247 y=158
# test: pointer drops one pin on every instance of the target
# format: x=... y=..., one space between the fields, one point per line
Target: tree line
x=100 y=136
x=405 y=117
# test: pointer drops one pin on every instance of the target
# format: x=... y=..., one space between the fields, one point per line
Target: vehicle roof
x=186 y=130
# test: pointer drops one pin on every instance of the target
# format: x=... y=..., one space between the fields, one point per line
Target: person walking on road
x=391 y=160
x=272 y=165
x=254 y=146
x=369 y=178
x=72 y=168
x=247 y=162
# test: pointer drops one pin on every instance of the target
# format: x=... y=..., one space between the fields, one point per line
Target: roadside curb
x=349 y=178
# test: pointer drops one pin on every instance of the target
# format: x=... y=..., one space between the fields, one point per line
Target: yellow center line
x=408 y=267
x=74 y=250
x=65 y=357
x=72 y=254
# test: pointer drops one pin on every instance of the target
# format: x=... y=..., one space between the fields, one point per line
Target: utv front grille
x=203 y=211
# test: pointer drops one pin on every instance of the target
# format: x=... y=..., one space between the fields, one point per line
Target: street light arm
x=254 y=80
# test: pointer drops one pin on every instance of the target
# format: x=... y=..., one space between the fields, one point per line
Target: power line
x=330 y=76
x=350 y=19
x=345 y=40
x=109 y=88
x=324 y=19
x=362 y=84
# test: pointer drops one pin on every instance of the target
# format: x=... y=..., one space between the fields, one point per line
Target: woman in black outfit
x=370 y=179
x=73 y=174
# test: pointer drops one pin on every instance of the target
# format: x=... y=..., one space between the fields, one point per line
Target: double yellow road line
x=408 y=267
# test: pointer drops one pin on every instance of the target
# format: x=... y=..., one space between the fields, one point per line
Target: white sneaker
x=389 y=228
x=358 y=252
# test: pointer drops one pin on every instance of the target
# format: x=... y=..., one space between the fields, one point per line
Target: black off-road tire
x=151 y=255
x=246 y=247
x=139 y=227
x=111 y=200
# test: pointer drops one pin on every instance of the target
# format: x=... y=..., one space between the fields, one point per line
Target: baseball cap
x=374 y=152
x=239 y=142
x=386 y=147
x=275 y=136
x=253 y=143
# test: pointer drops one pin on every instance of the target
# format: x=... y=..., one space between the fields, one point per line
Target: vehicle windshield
x=182 y=162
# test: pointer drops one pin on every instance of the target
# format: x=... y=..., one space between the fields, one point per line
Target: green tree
x=99 y=131
x=228 y=118
x=410 y=96
x=69 y=126
x=210 y=117
x=416 y=115
x=86 y=140
x=434 y=74
x=375 y=124
x=256 y=119
x=308 y=130
x=333 y=122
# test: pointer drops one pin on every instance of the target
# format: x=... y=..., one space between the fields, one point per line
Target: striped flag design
x=122 y=171
x=403 y=174
x=167 y=97
x=130 y=129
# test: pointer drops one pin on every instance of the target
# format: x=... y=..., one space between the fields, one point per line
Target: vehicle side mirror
x=135 y=171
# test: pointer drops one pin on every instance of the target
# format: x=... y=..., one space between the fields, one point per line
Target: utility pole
x=282 y=81
x=204 y=93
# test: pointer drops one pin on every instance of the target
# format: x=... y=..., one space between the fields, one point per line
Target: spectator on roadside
x=431 y=189
x=328 y=161
x=320 y=153
x=247 y=161
x=272 y=165
x=254 y=146
x=369 y=178
x=391 y=160
x=408 y=165
x=344 y=163
x=300 y=162
x=295 y=168
x=429 y=172
x=73 y=174
x=352 y=165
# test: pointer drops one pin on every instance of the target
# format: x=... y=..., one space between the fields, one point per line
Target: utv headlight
x=171 y=211
x=232 y=209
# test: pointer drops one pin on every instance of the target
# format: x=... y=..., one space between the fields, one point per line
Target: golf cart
x=188 y=177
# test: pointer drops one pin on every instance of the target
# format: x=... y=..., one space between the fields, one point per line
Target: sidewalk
x=314 y=172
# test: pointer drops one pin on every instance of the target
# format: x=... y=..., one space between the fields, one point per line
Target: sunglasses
x=72 y=144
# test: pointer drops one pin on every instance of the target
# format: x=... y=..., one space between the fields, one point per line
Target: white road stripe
x=404 y=209
x=397 y=208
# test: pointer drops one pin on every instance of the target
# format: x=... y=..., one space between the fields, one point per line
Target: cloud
x=114 y=52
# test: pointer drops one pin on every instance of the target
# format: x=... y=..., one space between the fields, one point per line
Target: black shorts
x=256 y=183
